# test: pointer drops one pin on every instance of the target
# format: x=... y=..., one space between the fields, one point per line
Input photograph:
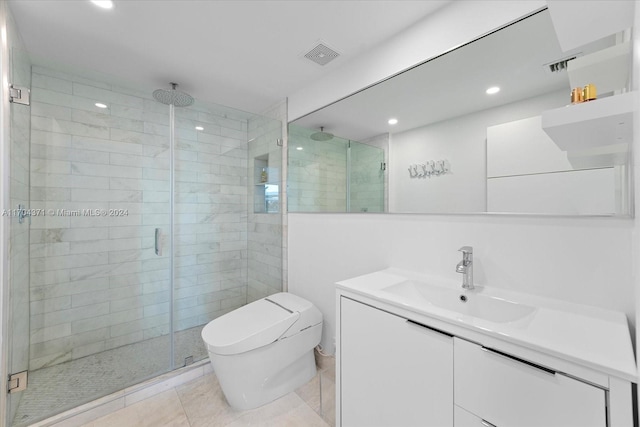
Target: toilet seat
x=260 y=323
x=251 y=326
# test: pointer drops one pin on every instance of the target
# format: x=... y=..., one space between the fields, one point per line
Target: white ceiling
x=514 y=58
x=243 y=54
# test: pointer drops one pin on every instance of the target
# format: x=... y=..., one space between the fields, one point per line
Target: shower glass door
x=100 y=271
x=19 y=73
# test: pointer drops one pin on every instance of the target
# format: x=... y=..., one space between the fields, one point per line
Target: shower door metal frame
x=4 y=203
x=172 y=137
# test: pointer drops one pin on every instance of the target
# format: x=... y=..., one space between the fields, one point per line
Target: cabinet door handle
x=411 y=322
x=487 y=424
x=522 y=361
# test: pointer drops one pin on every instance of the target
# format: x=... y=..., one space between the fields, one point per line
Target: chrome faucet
x=466 y=267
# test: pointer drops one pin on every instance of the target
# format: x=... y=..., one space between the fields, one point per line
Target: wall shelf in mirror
x=608 y=69
x=605 y=121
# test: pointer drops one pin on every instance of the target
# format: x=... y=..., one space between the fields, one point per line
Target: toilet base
x=260 y=376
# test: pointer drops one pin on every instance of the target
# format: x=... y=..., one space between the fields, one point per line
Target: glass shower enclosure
x=132 y=223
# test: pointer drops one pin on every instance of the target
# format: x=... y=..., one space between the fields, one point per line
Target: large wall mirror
x=461 y=147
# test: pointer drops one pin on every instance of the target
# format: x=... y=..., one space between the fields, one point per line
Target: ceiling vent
x=321 y=54
x=556 y=67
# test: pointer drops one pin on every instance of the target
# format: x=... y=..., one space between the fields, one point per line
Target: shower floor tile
x=57 y=388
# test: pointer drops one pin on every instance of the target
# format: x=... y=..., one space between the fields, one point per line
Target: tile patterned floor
x=200 y=403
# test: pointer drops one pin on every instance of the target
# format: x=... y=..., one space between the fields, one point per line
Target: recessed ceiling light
x=393 y=121
x=100 y=105
x=105 y=4
x=199 y=128
x=492 y=90
x=299 y=148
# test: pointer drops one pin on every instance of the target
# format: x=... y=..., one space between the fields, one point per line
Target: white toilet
x=264 y=350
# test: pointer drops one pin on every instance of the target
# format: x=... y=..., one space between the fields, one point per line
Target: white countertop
x=589 y=336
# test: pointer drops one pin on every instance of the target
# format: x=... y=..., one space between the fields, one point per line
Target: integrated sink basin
x=590 y=336
x=474 y=304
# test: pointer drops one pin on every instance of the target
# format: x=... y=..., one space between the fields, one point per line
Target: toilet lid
x=246 y=328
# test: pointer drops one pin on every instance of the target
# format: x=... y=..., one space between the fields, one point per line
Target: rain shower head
x=173 y=97
x=322 y=135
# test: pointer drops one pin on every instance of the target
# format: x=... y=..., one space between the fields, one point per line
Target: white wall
x=462 y=141
x=579 y=260
x=585 y=261
x=527 y=172
x=325 y=248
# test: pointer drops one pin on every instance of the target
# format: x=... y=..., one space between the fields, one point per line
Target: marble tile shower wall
x=96 y=282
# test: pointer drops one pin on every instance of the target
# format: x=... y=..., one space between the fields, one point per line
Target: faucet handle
x=466 y=250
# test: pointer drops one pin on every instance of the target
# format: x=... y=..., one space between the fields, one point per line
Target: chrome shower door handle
x=159 y=241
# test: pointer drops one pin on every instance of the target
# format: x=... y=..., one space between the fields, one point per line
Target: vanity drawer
x=506 y=391
x=464 y=418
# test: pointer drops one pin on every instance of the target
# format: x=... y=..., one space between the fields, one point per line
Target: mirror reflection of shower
x=329 y=173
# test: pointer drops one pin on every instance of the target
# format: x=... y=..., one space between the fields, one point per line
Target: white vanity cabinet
x=393 y=372
x=402 y=366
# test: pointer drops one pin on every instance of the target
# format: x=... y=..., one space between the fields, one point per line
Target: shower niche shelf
x=605 y=121
x=266 y=190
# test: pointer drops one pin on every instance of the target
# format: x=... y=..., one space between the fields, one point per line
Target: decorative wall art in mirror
x=487 y=127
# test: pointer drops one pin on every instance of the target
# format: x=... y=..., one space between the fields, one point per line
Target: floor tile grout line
x=180 y=398
x=184 y=411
